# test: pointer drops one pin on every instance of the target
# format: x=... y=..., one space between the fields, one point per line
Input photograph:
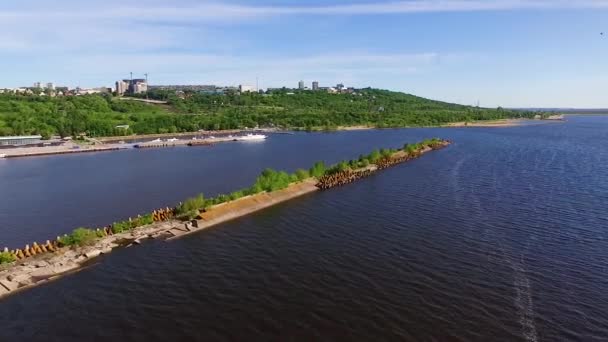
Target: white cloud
x=216 y=11
x=41 y=26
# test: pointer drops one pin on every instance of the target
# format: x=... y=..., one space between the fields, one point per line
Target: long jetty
x=41 y=262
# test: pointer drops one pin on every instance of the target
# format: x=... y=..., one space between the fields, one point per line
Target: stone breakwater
x=349 y=176
x=28 y=251
x=343 y=178
x=40 y=263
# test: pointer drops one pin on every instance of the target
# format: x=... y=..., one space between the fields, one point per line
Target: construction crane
x=146 y=74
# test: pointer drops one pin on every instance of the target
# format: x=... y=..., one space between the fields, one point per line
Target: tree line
x=99 y=115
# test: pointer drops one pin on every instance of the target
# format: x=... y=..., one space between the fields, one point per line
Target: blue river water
x=503 y=236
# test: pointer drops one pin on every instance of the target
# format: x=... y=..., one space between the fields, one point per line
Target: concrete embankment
x=36 y=268
x=48 y=151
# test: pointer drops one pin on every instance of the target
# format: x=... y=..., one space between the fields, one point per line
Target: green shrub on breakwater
x=123 y=226
x=79 y=237
x=6 y=257
x=270 y=180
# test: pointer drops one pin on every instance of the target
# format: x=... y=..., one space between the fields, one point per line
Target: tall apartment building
x=135 y=86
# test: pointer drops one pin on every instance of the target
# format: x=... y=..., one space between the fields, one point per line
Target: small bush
x=302 y=174
x=318 y=170
x=145 y=220
x=386 y=153
x=374 y=157
x=119 y=227
x=410 y=148
x=6 y=258
x=79 y=237
x=271 y=180
x=191 y=204
x=222 y=199
x=340 y=167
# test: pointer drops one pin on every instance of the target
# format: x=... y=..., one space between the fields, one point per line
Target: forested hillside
x=98 y=115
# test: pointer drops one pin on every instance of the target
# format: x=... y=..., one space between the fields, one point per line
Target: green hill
x=99 y=115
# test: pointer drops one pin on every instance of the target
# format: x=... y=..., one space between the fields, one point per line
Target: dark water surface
x=500 y=237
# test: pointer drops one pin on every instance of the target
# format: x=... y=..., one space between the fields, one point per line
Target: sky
x=510 y=53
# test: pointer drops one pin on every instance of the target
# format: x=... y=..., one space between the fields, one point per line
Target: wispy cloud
x=133 y=25
x=214 y=11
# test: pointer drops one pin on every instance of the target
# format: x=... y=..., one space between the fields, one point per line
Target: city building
x=20 y=140
x=301 y=85
x=246 y=88
x=135 y=86
x=315 y=85
x=138 y=86
x=177 y=87
x=37 y=85
x=50 y=86
x=121 y=87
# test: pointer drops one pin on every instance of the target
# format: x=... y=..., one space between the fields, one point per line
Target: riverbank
x=482 y=123
x=69 y=148
x=145 y=137
x=44 y=262
x=488 y=123
x=99 y=146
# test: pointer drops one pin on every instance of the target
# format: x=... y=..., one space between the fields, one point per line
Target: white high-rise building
x=121 y=87
x=38 y=85
x=50 y=86
x=140 y=87
x=301 y=85
x=243 y=88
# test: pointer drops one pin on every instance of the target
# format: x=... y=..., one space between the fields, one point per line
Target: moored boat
x=251 y=137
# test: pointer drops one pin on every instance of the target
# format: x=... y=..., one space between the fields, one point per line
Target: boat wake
x=523 y=301
x=493 y=238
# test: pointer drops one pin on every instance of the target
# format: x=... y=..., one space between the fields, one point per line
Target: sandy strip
x=488 y=123
x=247 y=205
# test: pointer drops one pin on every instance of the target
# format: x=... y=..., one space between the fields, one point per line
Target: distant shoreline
x=488 y=123
x=116 y=143
x=503 y=122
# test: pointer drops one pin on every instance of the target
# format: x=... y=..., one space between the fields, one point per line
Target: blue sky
x=512 y=53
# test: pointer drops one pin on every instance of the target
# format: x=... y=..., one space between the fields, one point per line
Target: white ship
x=156 y=140
x=251 y=137
x=172 y=140
x=2 y=155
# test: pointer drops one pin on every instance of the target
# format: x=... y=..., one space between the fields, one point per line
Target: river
x=502 y=236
